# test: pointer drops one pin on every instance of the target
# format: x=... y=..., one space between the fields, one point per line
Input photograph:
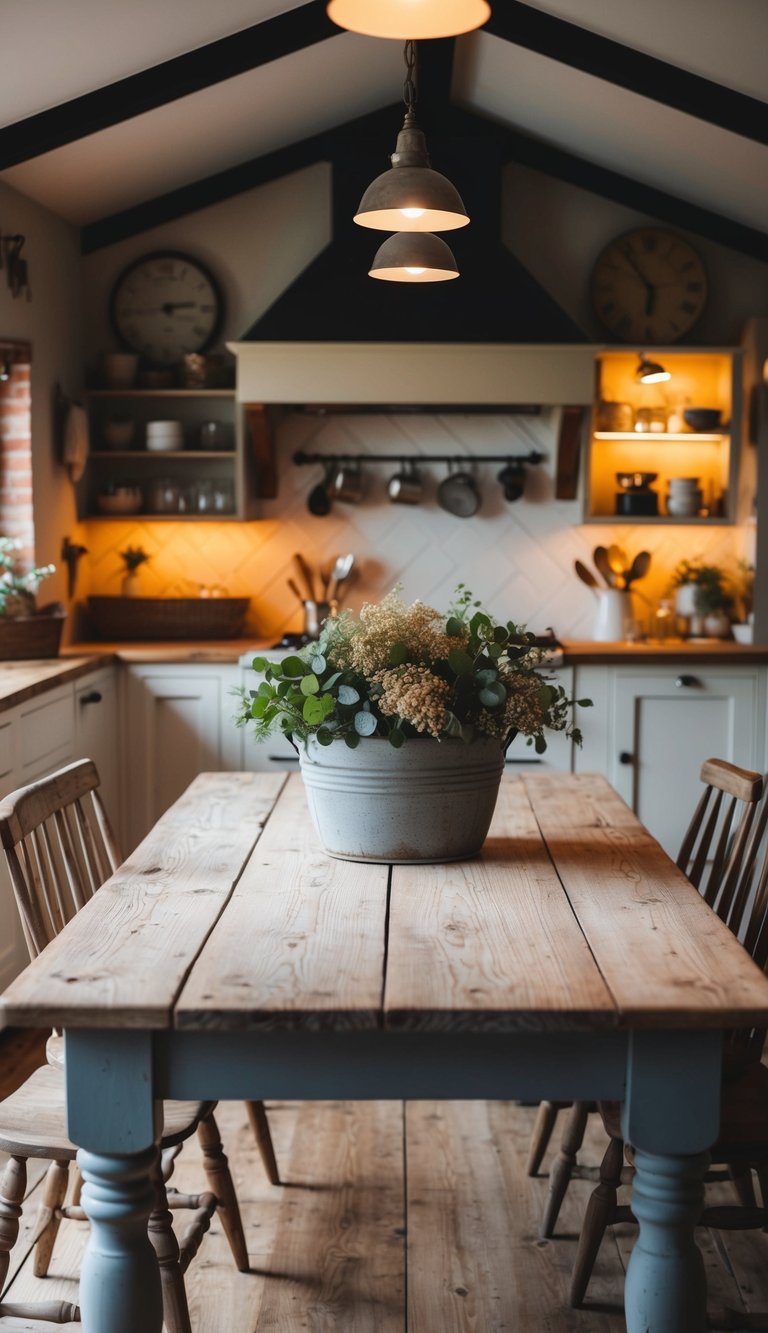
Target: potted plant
x=401 y=718
x=703 y=597
x=26 y=631
x=133 y=558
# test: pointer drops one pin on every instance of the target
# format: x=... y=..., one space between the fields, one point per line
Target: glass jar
x=651 y=420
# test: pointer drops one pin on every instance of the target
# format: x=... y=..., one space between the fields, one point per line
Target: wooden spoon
x=585 y=574
x=600 y=557
x=639 y=567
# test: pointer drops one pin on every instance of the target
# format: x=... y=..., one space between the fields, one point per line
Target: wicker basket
x=31 y=637
x=119 y=618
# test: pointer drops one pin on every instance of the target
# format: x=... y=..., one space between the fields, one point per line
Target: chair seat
x=33 y=1120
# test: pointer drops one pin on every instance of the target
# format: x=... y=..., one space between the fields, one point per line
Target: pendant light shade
x=651 y=372
x=411 y=196
x=409 y=18
x=414 y=256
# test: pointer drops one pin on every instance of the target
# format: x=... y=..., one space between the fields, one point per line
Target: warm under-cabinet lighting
x=409 y=18
x=651 y=372
x=414 y=256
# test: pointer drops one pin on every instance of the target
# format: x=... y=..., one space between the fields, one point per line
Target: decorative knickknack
x=26 y=631
x=133 y=557
x=402 y=719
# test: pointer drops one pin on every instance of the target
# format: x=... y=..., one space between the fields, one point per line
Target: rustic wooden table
x=229 y=958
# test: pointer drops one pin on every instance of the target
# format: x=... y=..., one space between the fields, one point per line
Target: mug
x=458 y=494
x=405 y=487
x=347 y=483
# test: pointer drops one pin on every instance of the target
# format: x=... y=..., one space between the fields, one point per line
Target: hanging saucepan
x=512 y=478
x=318 y=500
x=458 y=494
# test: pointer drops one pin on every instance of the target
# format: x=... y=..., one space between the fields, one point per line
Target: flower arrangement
x=18 y=591
x=709 y=583
x=399 y=672
x=134 y=557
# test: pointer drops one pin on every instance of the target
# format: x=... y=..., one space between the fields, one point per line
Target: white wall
x=52 y=323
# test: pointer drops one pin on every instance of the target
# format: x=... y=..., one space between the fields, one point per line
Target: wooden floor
x=396 y=1219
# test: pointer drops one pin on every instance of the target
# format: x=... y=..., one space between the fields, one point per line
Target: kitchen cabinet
x=639 y=428
x=177 y=722
x=223 y=462
x=651 y=729
x=96 y=733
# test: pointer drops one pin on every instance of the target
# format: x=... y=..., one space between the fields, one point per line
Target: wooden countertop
x=23 y=680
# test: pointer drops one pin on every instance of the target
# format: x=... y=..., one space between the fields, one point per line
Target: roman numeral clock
x=164 y=305
x=649 y=286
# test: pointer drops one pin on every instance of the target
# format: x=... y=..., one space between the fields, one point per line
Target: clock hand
x=169 y=306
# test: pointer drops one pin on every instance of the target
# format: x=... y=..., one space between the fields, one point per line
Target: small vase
x=131 y=584
x=717 y=625
x=428 y=801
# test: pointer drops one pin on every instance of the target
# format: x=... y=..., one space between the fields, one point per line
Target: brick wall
x=16 y=516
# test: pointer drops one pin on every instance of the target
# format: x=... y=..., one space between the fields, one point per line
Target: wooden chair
x=712 y=855
x=60 y=849
x=741 y=899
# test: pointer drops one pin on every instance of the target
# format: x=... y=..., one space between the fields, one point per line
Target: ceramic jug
x=614 y=609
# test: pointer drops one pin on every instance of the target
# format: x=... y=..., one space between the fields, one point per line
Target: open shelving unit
x=699 y=378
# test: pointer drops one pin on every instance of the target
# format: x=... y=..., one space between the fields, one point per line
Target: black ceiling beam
x=607 y=59
x=636 y=194
x=151 y=88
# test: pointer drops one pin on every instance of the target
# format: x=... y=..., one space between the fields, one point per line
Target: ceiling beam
x=604 y=58
x=637 y=194
x=189 y=73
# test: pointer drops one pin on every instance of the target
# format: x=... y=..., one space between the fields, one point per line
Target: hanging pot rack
x=303 y=459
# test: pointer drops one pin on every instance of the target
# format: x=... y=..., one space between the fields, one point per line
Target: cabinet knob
x=626 y=758
x=687 y=682
x=92 y=697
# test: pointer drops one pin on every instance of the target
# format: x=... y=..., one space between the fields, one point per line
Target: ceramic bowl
x=702 y=418
x=164 y=436
x=119 y=434
x=118 y=369
x=123 y=500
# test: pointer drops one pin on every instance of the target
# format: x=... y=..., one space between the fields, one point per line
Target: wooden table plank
x=491 y=943
x=301 y=943
x=667 y=959
x=123 y=959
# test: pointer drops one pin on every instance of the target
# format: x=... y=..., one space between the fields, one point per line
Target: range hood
x=493 y=336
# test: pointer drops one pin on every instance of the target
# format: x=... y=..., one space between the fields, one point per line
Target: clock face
x=164 y=305
x=649 y=286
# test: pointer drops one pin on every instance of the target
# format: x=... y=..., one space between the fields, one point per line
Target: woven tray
x=168 y=617
x=33 y=637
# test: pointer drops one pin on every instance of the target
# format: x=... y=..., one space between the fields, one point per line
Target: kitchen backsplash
x=517 y=557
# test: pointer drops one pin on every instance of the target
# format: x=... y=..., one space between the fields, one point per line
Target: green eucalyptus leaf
x=284 y=688
x=485 y=676
x=493 y=694
x=313 y=711
x=454 y=627
x=352 y=740
x=259 y=706
x=259 y=664
x=396 y=738
x=398 y=653
x=348 y=694
x=460 y=662
x=365 y=723
x=293 y=667
x=479 y=622
x=500 y=635
x=451 y=726
x=318 y=664
x=310 y=685
x=323 y=736
x=495 y=650
x=331 y=681
x=585 y=703
x=539 y=744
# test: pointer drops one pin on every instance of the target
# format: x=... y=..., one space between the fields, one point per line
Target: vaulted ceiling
x=116 y=116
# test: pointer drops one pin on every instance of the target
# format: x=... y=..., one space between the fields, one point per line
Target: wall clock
x=649 y=286
x=165 y=305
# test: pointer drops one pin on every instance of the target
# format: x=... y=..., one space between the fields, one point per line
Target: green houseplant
x=26 y=630
x=703 y=595
x=402 y=717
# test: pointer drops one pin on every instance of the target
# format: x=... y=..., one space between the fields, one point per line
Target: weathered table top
x=229 y=917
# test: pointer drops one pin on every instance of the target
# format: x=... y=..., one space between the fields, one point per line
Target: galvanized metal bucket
x=428 y=801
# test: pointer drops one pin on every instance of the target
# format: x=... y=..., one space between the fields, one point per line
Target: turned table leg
x=119 y=1279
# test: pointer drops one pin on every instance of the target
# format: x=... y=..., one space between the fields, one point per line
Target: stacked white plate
x=164 y=437
x=684 y=497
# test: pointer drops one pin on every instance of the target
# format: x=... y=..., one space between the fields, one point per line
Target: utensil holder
x=614 y=609
x=314 y=615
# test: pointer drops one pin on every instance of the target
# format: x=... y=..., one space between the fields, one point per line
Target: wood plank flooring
x=396 y=1219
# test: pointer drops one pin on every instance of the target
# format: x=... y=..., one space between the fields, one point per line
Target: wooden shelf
x=189 y=455
x=144 y=517
x=661 y=520
x=660 y=436
x=160 y=393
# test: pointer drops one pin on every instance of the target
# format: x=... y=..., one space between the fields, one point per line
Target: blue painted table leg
x=119 y=1279
x=665 y=1288
x=113 y=1116
x=671 y=1117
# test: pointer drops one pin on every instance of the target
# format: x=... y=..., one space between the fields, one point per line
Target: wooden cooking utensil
x=600 y=557
x=585 y=574
x=306 y=575
x=639 y=567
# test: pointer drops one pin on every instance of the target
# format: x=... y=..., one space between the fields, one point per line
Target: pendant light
x=414 y=256
x=411 y=196
x=650 y=372
x=409 y=18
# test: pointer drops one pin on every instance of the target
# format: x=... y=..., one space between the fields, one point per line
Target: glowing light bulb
x=414 y=271
x=413 y=212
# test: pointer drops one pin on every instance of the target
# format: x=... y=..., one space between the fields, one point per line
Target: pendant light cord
x=410 y=87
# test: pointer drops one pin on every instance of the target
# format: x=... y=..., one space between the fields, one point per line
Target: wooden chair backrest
x=59 y=847
x=716 y=846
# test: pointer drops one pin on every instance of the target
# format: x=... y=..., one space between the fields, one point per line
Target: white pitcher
x=614 y=609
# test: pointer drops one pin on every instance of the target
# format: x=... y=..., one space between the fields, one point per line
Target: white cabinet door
x=176 y=725
x=96 y=736
x=45 y=739
x=665 y=723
